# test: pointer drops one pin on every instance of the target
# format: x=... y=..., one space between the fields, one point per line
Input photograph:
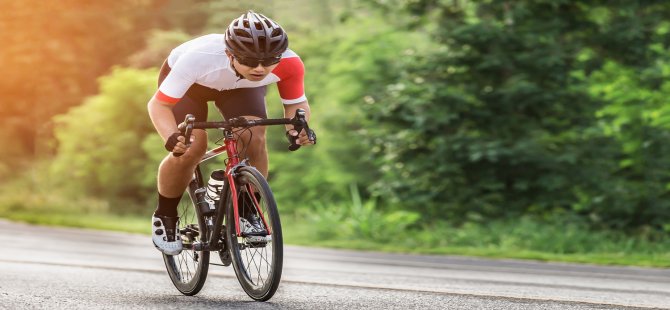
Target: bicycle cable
x=239 y=134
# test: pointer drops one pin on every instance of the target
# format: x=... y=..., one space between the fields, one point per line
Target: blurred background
x=531 y=129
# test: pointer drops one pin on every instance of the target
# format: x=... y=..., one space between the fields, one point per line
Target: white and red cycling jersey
x=204 y=61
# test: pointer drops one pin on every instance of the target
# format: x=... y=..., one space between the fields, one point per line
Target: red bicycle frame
x=299 y=123
x=230 y=146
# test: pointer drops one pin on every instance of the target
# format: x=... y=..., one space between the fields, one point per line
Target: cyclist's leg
x=250 y=103
x=174 y=173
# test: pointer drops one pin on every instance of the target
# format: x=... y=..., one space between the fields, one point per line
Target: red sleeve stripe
x=287 y=67
x=291 y=74
x=163 y=97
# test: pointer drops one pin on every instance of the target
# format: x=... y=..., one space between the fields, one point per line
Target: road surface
x=64 y=268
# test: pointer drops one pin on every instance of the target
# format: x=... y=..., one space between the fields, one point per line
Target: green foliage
x=34 y=198
x=636 y=117
x=53 y=51
x=358 y=219
x=561 y=237
x=98 y=142
x=337 y=88
x=501 y=121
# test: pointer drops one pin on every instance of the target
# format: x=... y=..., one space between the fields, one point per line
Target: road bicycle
x=256 y=257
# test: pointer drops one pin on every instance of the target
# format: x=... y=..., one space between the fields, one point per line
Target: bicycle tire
x=190 y=282
x=248 y=257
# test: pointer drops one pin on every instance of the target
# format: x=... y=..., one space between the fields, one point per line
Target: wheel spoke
x=254 y=263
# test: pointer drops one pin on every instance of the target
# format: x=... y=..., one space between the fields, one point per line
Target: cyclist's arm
x=161 y=116
x=170 y=91
x=291 y=86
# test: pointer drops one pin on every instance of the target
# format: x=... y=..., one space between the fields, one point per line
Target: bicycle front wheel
x=257 y=258
x=188 y=270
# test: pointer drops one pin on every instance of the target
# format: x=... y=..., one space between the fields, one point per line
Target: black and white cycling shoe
x=164 y=234
x=253 y=231
x=251 y=225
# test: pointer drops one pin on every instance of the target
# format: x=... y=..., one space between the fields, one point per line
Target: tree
x=53 y=51
x=500 y=120
x=100 y=143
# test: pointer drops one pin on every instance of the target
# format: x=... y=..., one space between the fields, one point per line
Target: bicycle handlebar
x=298 y=121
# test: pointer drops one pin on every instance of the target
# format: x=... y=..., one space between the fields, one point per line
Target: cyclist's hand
x=302 y=139
x=177 y=144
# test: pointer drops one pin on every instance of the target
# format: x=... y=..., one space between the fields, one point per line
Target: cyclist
x=231 y=69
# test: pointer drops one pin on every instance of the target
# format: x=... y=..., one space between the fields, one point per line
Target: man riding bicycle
x=231 y=69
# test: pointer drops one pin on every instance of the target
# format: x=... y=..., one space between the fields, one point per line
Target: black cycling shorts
x=231 y=103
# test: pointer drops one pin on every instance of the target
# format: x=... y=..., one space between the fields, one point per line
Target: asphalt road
x=59 y=268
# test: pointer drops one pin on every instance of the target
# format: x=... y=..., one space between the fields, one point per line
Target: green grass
x=562 y=238
x=362 y=226
x=302 y=232
x=39 y=205
x=473 y=244
x=113 y=222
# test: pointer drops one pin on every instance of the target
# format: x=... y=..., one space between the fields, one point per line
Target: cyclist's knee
x=193 y=155
x=258 y=140
x=256 y=137
x=200 y=143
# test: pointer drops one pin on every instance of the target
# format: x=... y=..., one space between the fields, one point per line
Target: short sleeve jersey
x=204 y=61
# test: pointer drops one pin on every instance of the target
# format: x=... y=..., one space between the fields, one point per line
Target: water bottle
x=214 y=186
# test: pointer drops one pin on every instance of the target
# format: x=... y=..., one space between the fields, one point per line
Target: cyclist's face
x=251 y=73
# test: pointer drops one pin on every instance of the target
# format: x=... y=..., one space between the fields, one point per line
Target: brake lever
x=299 y=123
x=186 y=128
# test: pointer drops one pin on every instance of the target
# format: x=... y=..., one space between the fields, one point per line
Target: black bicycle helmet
x=255 y=36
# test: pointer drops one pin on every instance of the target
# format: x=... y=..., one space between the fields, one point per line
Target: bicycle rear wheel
x=258 y=259
x=188 y=270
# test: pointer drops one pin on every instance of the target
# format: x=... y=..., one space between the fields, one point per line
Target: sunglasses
x=253 y=62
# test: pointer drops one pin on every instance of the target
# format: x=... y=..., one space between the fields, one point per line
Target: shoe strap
x=170 y=224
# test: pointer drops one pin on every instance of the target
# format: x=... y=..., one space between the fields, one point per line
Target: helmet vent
x=242 y=33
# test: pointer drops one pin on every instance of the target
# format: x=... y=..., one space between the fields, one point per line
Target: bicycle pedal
x=258 y=241
x=262 y=233
x=193 y=230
